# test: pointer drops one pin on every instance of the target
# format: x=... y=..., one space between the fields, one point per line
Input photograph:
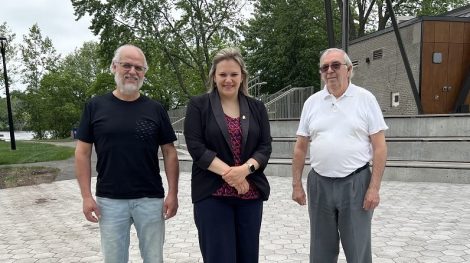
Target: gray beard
x=127 y=89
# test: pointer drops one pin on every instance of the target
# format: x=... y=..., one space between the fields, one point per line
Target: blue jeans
x=117 y=216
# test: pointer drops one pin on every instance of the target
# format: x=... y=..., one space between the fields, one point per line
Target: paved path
x=416 y=222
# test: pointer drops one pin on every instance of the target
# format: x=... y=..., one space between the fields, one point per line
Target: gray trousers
x=336 y=213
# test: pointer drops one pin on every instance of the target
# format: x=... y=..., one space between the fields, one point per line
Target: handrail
x=179 y=120
x=250 y=86
x=283 y=95
x=277 y=93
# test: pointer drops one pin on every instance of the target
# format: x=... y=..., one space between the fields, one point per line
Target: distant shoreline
x=19 y=135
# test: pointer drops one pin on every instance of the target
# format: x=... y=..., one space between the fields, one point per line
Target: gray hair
x=346 y=58
x=117 y=55
x=227 y=54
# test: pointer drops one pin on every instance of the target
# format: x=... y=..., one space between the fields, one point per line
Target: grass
x=32 y=152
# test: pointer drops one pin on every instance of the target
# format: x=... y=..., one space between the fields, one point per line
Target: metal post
x=7 y=91
x=329 y=24
x=345 y=29
x=258 y=90
x=411 y=79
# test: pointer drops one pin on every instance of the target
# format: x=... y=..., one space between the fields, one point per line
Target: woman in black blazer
x=228 y=136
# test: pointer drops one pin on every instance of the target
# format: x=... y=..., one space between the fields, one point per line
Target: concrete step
x=438 y=125
x=451 y=149
x=408 y=171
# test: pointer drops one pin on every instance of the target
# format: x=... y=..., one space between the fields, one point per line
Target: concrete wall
x=442 y=125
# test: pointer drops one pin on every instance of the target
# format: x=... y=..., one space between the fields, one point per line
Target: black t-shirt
x=126 y=136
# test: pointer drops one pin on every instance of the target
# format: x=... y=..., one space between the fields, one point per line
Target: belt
x=358 y=170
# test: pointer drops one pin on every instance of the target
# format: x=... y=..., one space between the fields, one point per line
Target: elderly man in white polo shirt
x=345 y=128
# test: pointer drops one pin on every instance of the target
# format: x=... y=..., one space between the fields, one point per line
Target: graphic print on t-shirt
x=145 y=130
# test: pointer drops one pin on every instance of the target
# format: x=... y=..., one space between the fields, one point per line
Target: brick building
x=438 y=49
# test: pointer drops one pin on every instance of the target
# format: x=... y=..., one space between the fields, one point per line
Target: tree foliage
x=178 y=38
x=66 y=90
x=371 y=15
x=283 y=41
x=11 y=58
x=55 y=107
x=38 y=55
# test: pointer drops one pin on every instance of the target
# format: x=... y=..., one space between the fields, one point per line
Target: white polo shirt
x=339 y=129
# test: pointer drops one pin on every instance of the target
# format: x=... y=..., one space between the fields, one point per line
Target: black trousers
x=228 y=229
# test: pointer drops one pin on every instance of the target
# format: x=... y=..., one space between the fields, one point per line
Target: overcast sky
x=55 y=19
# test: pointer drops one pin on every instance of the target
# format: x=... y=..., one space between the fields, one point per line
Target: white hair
x=117 y=56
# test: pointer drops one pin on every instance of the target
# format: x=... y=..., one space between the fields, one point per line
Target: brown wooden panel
x=428 y=31
x=466 y=38
x=466 y=62
x=441 y=31
x=439 y=76
x=456 y=32
x=466 y=58
x=434 y=78
x=426 y=78
x=455 y=75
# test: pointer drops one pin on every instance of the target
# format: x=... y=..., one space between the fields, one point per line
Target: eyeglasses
x=334 y=66
x=129 y=66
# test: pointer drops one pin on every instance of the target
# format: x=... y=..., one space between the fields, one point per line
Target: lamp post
x=7 y=91
x=258 y=88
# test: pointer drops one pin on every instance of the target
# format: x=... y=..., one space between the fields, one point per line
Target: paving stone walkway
x=416 y=222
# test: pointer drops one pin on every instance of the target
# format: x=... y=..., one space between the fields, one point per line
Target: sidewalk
x=416 y=222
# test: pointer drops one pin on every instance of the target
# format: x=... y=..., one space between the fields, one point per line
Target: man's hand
x=371 y=199
x=91 y=210
x=298 y=194
x=170 y=206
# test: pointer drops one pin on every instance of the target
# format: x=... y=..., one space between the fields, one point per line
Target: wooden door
x=441 y=81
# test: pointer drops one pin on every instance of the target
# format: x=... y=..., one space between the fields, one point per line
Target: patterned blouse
x=235 y=132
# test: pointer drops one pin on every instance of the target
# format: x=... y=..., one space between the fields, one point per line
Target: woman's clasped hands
x=236 y=177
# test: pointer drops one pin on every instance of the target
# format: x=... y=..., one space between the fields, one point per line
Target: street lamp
x=258 y=88
x=7 y=91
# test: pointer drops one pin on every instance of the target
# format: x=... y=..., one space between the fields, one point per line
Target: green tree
x=11 y=57
x=13 y=65
x=64 y=91
x=38 y=56
x=371 y=15
x=19 y=116
x=178 y=38
x=283 y=41
x=3 y=114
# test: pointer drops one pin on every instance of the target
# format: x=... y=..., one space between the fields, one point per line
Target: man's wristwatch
x=251 y=168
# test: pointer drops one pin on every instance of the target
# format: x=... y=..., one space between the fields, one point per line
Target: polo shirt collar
x=350 y=91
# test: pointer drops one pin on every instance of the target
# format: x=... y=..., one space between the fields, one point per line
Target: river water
x=19 y=135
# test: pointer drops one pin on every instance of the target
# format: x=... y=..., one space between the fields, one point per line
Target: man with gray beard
x=127 y=128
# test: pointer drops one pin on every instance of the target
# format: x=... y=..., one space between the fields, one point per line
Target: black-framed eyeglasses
x=334 y=66
x=129 y=66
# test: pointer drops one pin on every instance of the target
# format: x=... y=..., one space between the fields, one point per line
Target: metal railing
x=289 y=103
x=277 y=94
x=254 y=87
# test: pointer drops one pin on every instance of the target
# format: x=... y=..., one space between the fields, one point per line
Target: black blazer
x=206 y=134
